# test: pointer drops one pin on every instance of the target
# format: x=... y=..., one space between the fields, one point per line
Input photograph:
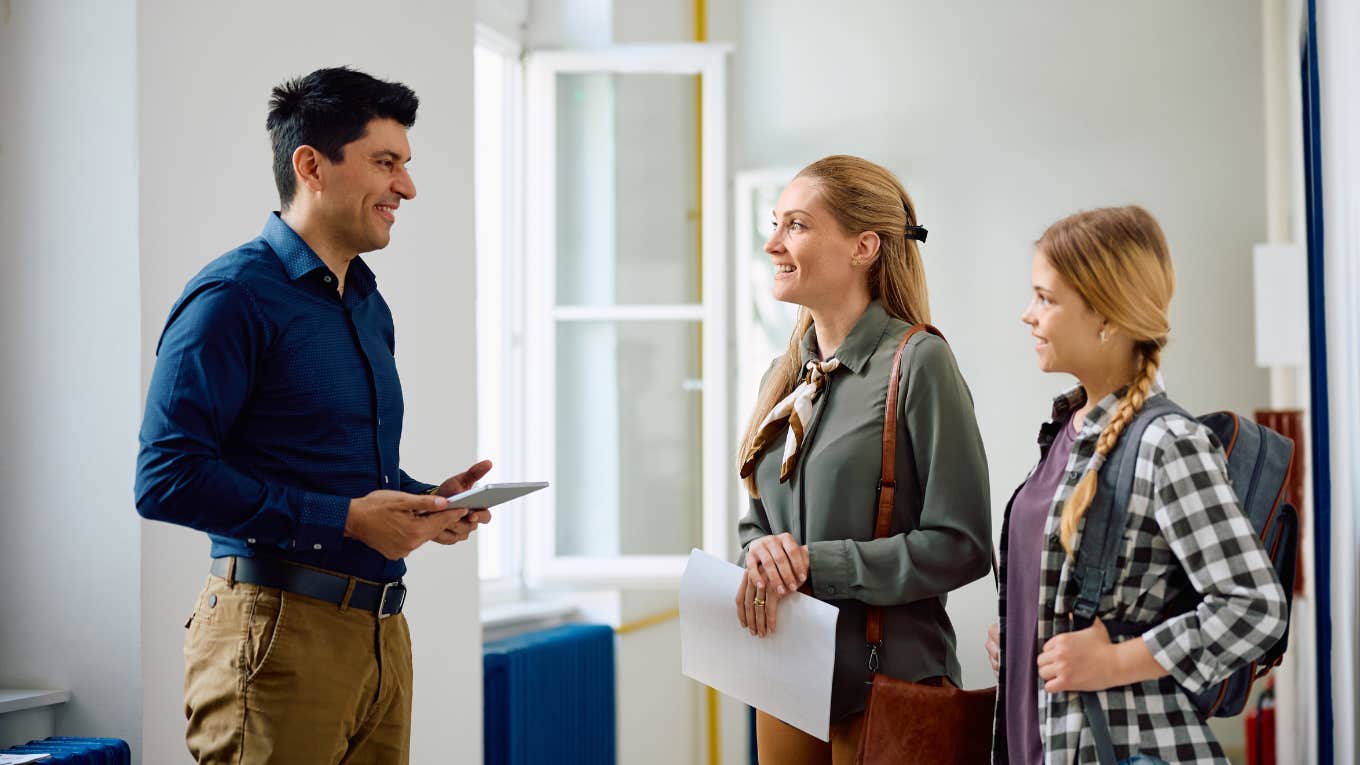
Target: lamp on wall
x=1281 y=303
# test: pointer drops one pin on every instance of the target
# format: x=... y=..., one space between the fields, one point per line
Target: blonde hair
x=1118 y=261
x=861 y=196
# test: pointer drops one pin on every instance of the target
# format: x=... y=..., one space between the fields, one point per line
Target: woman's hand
x=781 y=560
x=994 y=648
x=757 y=605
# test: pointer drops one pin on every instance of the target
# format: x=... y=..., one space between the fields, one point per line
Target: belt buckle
x=382 y=601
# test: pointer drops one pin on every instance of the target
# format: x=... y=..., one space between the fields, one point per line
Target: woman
x=1102 y=285
x=844 y=248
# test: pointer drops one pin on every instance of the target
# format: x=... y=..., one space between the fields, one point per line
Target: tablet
x=492 y=494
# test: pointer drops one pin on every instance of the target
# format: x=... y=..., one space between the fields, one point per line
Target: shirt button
x=212 y=601
x=380 y=421
x=316 y=546
x=251 y=540
x=385 y=479
x=328 y=278
x=831 y=590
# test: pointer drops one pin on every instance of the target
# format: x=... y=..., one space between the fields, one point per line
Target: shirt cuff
x=830 y=567
x=1170 y=648
x=321 y=524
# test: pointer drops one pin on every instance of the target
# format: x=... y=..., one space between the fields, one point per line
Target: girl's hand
x=993 y=644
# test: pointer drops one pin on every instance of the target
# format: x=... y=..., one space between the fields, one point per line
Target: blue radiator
x=77 y=751
x=549 y=697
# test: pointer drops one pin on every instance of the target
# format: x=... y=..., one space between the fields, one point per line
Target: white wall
x=204 y=76
x=69 y=388
x=1001 y=118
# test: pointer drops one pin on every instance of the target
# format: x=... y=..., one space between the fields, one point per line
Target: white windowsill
x=506 y=619
x=17 y=700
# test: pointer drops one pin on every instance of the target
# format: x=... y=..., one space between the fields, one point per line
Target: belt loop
x=231 y=572
x=349 y=591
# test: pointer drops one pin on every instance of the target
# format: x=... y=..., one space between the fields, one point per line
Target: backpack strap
x=1103 y=525
x=1101 y=537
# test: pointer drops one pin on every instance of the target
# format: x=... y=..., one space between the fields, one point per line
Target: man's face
x=362 y=191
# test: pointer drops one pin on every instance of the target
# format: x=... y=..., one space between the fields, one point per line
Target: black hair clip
x=916 y=232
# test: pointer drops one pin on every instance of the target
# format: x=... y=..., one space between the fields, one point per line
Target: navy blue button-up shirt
x=275 y=400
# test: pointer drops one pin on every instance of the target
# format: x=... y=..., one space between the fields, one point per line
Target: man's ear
x=307 y=167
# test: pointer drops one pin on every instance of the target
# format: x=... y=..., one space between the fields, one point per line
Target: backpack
x=1259 y=462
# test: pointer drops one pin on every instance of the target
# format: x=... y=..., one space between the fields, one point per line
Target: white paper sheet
x=786 y=674
x=20 y=759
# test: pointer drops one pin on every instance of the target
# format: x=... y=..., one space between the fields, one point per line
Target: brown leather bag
x=930 y=721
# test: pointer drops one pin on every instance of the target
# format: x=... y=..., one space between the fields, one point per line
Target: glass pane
x=772 y=321
x=627 y=191
x=628 y=479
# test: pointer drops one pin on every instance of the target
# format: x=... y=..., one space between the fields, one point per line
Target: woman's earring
x=1103 y=338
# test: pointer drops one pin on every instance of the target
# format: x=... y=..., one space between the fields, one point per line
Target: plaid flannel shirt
x=1184 y=531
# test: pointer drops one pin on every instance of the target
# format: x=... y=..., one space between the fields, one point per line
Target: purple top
x=1024 y=547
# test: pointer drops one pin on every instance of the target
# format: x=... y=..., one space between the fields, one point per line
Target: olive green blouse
x=941 y=530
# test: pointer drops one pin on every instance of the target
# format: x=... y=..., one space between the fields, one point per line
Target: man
x=273 y=423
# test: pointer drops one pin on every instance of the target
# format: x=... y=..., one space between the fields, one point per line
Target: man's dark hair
x=326 y=110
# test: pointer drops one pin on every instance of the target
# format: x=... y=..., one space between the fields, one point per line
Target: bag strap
x=887 y=481
x=1101 y=537
x=887 y=485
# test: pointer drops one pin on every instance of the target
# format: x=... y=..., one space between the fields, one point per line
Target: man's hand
x=392 y=523
x=462 y=527
x=464 y=480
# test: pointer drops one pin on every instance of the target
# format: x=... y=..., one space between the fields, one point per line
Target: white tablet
x=492 y=494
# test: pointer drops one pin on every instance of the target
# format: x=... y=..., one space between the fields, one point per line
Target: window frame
x=543 y=567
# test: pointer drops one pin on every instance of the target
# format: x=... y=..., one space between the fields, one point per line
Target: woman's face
x=1065 y=329
x=814 y=258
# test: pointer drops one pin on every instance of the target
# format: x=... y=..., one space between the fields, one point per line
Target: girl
x=1102 y=285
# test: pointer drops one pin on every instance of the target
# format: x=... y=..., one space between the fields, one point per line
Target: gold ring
x=758 y=602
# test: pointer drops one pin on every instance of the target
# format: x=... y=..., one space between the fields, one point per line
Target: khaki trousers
x=273 y=677
x=778 y=743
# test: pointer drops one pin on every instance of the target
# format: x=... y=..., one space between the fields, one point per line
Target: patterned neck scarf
x=796 y=408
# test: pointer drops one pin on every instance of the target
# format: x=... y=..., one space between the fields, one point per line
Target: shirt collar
x=1100 y=415
x=859 y=345
x=299 y=259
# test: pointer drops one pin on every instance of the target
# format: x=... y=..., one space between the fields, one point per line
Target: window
x=626 y=328
x=602 y=317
